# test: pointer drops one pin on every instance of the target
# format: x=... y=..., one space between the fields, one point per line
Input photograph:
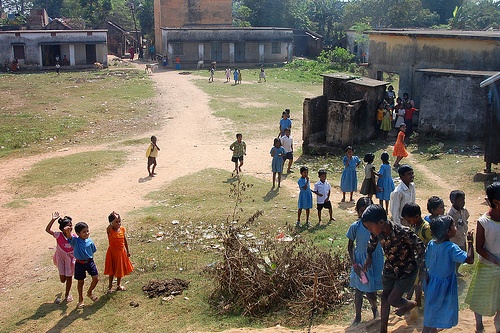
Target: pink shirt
x=62 y=242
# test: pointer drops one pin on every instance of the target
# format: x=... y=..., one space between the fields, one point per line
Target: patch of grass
x=41 y=110
x=18 y=203
x=135 y=142
x=63 y=173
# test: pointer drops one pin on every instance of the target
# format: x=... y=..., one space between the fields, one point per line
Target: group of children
x=392 y=112
x=74 y=256
x=426 y=256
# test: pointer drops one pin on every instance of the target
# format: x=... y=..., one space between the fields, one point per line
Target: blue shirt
x=83 y=249
x=285 y=123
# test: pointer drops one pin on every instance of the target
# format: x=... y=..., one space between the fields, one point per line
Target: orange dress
x=399 y=146
x=117 y=262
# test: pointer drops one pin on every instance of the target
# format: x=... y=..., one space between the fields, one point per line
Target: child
x=58 y=67
x=386 y=124
x=484 y=290
x=385 y=184
x=460 y=215
x=404 y=253
x=305 y=196
x=369 y=187
x=435 y=206
x=441 y=286
x=285 y=123
x=228 y=74
x=277 y=152
x=239 y=148
x=412 y=214
x=84 y=249
x=399 y=147
x=349 y=179
x=287 y=143
x=235 y=75
x=212 y=72
x=400 y=113
x=358 y=234
x=380 y=115
x=151 y=154
x=322 y=190
x=262 y=74
x=239 y=76
x=63 y=257
x=403 y=193
x=117 y=257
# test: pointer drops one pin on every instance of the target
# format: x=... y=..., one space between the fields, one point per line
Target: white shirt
x=287 y=143
x=323 y=188
x=401 y=195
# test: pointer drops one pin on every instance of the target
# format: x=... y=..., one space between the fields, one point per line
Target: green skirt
x=484 y=290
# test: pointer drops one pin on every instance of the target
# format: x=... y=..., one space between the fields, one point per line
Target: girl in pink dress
x=63 y=257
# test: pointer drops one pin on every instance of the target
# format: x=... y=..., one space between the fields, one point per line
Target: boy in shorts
x=405 y=258
x=239 y=148
x=151 y=154
x=287 y=144
x=322 y=190
x=83 y=250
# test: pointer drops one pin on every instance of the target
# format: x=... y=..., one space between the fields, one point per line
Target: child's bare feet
x=92 y=297
x=405 y=309
x=69 y=299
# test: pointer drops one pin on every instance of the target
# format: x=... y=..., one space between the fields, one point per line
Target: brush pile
x=258 y=277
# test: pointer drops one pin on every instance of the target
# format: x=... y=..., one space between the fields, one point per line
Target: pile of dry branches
x=259 y=277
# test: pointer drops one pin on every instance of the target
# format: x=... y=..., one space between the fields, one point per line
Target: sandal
x=93 y=297
x=69 y=299
x=120 y=288
x=80 y=305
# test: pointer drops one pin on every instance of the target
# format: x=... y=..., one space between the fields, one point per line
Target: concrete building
x=39 y=48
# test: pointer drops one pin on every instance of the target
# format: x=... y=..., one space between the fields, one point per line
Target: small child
x=277 y=152
x=287 y=143
x=404 y=253
x=369 y=187
x=228 y=74
x=285 y=123
x=235 y=76
x=484 y=292
x=262 y=74
x=399 y=147
x=412 y=214
x=380 y=115
x=435 y=206
x=349 y=179
x=386 y=124
x=305 y=196
x=212 y=73
x=385 y=183
x=239 y=76
x=460 y=215
x=84 y=249
x=117 y=257
x=63 y=257
x=322 y=190
x=239 y=148
x=359 y=235
x=441 y=286
x=152 y=154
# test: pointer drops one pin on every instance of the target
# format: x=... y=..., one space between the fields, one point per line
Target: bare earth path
x=191 y=139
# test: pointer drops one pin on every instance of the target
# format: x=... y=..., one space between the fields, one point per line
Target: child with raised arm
x=239 y=149
x=277 y=152
x=322 y=190
x=359 y=237
x=63 y=257
x=83 y=249
x=349 y=178
x=404 y=253
x=460 y=215
x=117 y=257
x=484 y=290
x=152 y=154
x=305 y=196
x=441 y=286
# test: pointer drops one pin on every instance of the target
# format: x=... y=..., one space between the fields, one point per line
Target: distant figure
x=177 y=63
x=228 y=74
x=57 y=67
x=235 y=76
x=117 y=262
x=15 y=65
x=287 y=143
x=368 y=187
x=390 y=96
x=262 y=74
x=349 y=179
x=277 y=152
x=239 y=76
x=385 y=184
x=212 y=72
x=239 y=149
x=152 y=52
x=285 y=123
x=165 y=61
x=399 y=147
x=409 y=107
x=131 y=50
x=65 y=61
x=151 y=154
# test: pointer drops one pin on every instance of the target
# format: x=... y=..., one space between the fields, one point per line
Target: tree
x=476 y=15
x=327 y=17
x=145 y=15
x=241 y=14
x=444 y=8
x=53 y=7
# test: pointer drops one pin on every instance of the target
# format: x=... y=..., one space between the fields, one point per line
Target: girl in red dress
x=399 y=146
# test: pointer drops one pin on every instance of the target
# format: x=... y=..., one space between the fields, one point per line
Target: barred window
x=276 y=47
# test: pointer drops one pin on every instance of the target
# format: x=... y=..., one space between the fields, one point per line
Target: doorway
x=49 y=54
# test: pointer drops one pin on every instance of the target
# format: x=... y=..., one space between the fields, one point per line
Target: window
x=177 y=48
x=18 y=51
x=276 y=48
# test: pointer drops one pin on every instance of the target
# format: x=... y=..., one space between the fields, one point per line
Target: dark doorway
x=49 y=54
x=90 y=54
x=239 y=52
x=216 y=51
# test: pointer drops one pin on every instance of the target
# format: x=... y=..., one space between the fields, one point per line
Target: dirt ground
x=191 y=139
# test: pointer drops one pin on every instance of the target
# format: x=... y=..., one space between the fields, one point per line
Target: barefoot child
x=360 y=236
x=239 y=148
x=305 y=196
x=287 y=143
x=369 y=186
x=277 y=152
x=349 y=179
x=151 y=154
x=385 y=183
x=84 y=249
x=441 y=286
x=63 y=257
x=404 y=253
x=117 y=257
x=460 y=215
x=322 y=190
x=399 y=146
x=484 y=290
